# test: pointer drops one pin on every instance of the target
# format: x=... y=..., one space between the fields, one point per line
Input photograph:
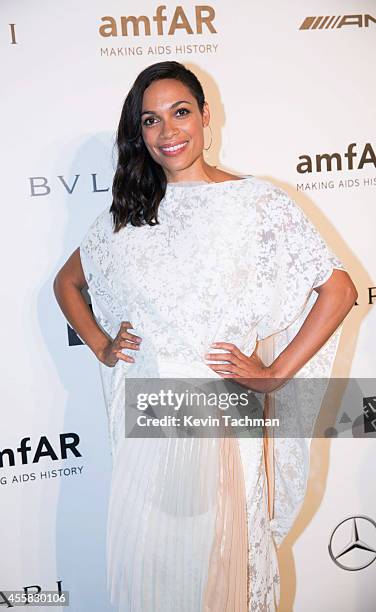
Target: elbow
x=341 y=289
x=354 y=295
x=64 y=281
x=55 y=285
x=58 y=283
x=350 y=295
x=352 y=291
x=346 y=287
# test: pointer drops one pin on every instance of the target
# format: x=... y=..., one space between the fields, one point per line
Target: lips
x=173 y=148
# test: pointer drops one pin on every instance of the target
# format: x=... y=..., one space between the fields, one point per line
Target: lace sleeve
x=305 y=247
x=296 y=259
x=96 y=261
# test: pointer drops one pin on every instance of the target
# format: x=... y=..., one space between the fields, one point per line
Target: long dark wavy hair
x=139 y=182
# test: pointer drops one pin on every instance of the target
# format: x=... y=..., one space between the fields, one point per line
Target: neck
x=197 y=172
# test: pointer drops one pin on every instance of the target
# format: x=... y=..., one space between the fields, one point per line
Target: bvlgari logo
x=161 y=24
x=329 y=162
x=354 y=542
x=41 y=186
x=330 y=22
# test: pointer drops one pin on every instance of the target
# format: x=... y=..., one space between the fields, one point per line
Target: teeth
x=175 y=148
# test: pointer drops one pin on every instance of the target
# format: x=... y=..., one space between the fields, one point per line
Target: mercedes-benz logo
x=346 y=542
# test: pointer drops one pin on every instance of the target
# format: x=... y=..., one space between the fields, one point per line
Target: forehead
x=164 y=92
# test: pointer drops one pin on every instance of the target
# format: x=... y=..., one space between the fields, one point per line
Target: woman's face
x=173 y=126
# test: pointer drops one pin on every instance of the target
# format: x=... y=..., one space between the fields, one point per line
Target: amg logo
x=204 y=16
x=336 y=21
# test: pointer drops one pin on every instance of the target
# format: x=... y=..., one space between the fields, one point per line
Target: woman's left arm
x=336 y=298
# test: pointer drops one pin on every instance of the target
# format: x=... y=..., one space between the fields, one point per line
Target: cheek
x=196 y=130
x=148 y=140
x=145 y=137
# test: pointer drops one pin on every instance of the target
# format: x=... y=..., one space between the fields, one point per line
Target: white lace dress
x=193 y=524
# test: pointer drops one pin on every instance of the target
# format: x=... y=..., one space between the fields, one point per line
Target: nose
x=169 y=129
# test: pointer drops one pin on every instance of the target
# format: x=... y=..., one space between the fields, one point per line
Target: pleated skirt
x=188 y=525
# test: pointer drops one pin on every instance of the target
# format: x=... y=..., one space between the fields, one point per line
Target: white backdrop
x=279 y=96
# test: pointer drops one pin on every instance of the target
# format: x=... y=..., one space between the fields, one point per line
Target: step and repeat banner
x=292 y=96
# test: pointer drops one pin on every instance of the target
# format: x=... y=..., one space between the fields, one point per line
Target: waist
x=171 y=368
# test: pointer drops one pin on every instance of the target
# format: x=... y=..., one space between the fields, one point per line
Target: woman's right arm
x=67 y=288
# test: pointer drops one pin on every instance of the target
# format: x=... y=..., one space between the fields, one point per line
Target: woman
x=197 y=273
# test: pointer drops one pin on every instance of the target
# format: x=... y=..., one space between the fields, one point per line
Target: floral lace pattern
x=236 y=262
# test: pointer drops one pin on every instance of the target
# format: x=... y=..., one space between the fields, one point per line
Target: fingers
x=234 y=357
x=124 y=334
x=125 y=340
x=222 y=367
x=127 y=344
x=120 y=355
x=234 y=370
x=120 y=344
x=234 y=350
x=236 y=363
x=229 y=346
x=129 y=336
x=125 y=324
x=230 y=357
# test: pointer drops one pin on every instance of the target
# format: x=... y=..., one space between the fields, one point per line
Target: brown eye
x=186 y=111
x=146 y=120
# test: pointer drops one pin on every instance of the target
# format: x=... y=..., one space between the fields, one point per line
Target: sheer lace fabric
x=235 y=262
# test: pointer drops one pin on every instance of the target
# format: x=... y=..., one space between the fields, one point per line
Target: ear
x=205 y=115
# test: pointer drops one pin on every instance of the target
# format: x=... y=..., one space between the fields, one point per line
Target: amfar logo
x=354 y=542
x=44 y=448
x=339 y=21
x=130 y=25
x=327 y=162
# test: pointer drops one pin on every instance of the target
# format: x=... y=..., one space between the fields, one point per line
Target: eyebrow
x=149 y=112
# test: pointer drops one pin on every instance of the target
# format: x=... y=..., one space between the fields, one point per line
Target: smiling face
x=173 y=129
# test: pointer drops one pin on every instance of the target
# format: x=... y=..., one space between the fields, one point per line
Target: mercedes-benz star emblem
x=346 y=543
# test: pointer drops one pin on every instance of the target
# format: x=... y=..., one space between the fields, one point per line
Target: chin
x=175 y=164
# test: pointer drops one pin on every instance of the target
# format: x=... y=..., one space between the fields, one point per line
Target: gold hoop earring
x=211 y=139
